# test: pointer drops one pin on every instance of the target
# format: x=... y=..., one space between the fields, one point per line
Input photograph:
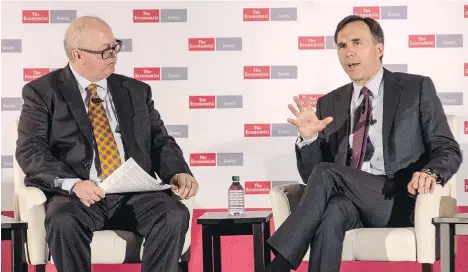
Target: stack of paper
x=130 y=177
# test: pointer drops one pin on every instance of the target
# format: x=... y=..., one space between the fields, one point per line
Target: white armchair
x=107 y=247
x=416 y=243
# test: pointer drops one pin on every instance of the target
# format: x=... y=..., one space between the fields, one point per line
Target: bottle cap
x=235 y=178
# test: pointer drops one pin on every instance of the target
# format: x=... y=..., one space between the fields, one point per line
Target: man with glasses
x=78 y=125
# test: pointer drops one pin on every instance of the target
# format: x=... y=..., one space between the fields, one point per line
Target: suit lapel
x=68 y=86
x=123 y=107
x=342 y=121
x=392 y=91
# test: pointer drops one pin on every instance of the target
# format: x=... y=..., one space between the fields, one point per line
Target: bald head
x=80 y=31
x=89 y=43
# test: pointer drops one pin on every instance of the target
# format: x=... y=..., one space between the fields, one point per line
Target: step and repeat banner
x=222 y=73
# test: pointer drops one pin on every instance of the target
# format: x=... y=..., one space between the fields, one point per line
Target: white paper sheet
x=130 y=177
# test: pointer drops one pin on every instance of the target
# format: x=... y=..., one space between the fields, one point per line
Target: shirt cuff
x=66 y=184
x=301 y=144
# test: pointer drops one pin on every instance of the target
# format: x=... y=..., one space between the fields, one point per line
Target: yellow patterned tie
x=107 y=147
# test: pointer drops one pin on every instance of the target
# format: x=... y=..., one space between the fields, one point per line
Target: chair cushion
x=378 y=244
x=113 y=247
x=117 y=247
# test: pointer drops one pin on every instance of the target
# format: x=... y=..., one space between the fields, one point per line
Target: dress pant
x=159 y=217
x=336 y=199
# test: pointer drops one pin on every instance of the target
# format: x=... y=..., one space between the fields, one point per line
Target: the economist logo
x=371 y=12
x=466 y=185
x=311 y=98
x=202 y=102
x=466 y=127
x=30 y=74
x=466 y=69
x=257 y=130
x=256 y=14
x=201 y=44
x=203 y=159
x=270 y=130
x=466 y=11
x=256 y=72
x=147 y=73
x=257 y=187
x=421 y=41
x=219 y=101
x=269 y=14
x=311 y=42
x=35 y=16
x=146 y=15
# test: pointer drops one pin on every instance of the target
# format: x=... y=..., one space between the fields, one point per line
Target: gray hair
x=76 y=34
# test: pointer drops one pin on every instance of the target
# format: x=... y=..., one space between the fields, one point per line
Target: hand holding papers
x=130 y=177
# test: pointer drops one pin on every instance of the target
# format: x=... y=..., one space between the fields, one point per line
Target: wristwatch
x=433 y=173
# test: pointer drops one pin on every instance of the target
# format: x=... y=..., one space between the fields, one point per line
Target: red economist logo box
x=256 y=72
x=311 y=42
x=203 y=159
x=466 y=11
x=256 y=14
x=202 y=102
x=371 y=12
x=466 y=185
x=312 y=98
x=146 y=15
x=147 y=73
x=35 y=16
x=257 y=187
x=201 y=44
x=30 y=74
x=421 y=41
x=466 y=69
x=466 y=127
x=257 y=130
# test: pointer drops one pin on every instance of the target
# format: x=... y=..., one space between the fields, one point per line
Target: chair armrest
x=284 y=200
x=189 y=203
x=31 y=202
x=428 y=206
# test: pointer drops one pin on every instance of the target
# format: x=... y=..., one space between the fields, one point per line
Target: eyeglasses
x=108 y=52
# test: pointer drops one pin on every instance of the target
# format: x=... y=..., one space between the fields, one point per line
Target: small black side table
x=15 y=231
x=448 y=225
x=216 y=224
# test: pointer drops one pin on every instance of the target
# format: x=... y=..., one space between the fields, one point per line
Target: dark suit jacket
x=416 y=134
x=55 y=137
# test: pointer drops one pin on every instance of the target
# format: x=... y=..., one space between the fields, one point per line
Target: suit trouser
x=159 y=217
x=336 y=199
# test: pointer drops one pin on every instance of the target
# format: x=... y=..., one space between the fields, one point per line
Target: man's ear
x=77 y=56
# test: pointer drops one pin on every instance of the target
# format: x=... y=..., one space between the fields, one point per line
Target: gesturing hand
x=306 y=121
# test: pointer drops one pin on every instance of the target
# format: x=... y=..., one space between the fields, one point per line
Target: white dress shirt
x=104 y=94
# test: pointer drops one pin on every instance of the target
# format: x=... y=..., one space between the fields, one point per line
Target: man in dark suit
x=80 y=123
x=369 y=147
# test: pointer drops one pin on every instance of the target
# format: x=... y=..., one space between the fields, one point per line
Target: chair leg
x=426 y=267
x=39 y=268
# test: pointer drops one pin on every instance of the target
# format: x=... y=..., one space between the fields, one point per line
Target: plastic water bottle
x=236 y=197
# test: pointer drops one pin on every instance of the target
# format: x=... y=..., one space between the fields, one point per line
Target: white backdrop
x=293 y=49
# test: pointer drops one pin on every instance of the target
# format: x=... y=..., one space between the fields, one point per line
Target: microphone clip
x=97 y=100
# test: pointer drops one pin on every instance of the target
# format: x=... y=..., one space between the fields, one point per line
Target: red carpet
x=238 y=250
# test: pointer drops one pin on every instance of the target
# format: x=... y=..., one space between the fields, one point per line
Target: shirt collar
x=373 y=85
x=84 y=83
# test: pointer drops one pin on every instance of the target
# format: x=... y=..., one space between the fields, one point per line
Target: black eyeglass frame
x=109 y=51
